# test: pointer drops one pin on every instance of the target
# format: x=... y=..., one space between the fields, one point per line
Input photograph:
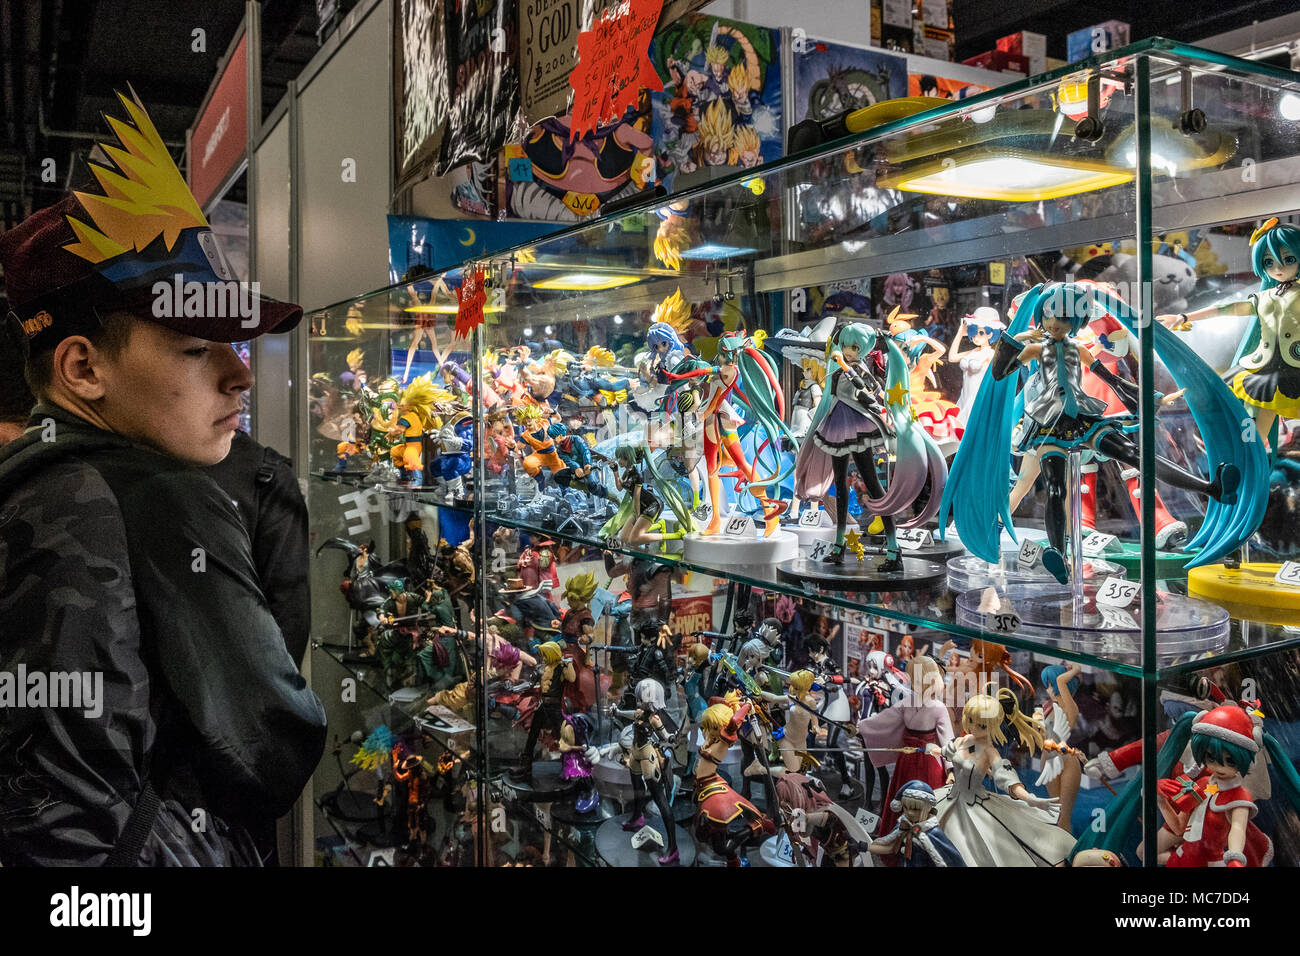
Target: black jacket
x=119 y=560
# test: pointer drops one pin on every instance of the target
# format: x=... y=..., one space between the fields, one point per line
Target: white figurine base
x=809 y=536
x=726 y=550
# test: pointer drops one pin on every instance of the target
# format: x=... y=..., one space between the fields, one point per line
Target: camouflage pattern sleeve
x=67 y=611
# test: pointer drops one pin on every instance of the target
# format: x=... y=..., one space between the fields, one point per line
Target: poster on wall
x=550 y=176
x=720 y=109
x=548 y=50
x=439 y=244
x=481 y=44
x=830 y=78
x=928 y=84
x=689 y=615
x=425 y=93
x=474 y=188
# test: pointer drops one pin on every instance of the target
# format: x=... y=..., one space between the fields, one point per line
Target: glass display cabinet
x=952 y=458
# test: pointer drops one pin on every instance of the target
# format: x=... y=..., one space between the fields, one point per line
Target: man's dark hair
x=16 y=399
x=110 y=337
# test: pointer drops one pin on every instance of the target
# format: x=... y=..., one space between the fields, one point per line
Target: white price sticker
x=1097 y=544
x=784 y=851
x=868 y=820
x=1117 y=619
x=1288 y=574
x=819 y=551
x=811 y=518
x=914 y=539
x=543 y=816
x=703 y=514
x=1002 y=622
x=1116 y=592
x=739 y=526
x=1030 y=554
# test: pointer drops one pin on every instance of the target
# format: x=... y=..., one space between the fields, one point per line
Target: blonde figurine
x=800 y=722
x=1012 y=828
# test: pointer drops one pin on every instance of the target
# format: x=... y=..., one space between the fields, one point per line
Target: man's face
x=177 y=393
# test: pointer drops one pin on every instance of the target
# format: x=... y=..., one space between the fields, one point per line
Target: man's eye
x=198 y=350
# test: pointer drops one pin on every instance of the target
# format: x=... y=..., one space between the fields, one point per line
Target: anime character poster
x=927 y=84
x=721 y=106
x=830 y=78
x=474 y=188
x=564 y=181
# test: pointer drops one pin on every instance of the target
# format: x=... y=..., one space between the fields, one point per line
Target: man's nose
x=236 y=376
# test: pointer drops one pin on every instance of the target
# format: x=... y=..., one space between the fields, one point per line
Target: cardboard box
x=938 y=44
x=1102 y=38
x=936 y=13
x=1000 y=62
x=877 y=38
x=897 y=13
x=1032 y=46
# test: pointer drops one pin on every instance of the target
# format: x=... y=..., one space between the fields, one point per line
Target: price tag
x=1116 y=592
x=703 y=514
x=543 y=816
x=1097 y=544
x=997 y=273
x=914 y=539
x=1117 y=619
x=819 y=551
x=507 y=792
x=520 y=169
x=784 y=851
x=868 y=820
x=1031 y=554
x=739 y=526
x=811 y=518
x=1002 y=622
x=1288 y=574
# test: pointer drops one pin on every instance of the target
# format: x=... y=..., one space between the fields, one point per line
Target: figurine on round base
x=855 y=569
x=968 y=571
x=740 y=543
x=619 y=846
x=1184 y=626
x=1254 y=591
x=544 y=785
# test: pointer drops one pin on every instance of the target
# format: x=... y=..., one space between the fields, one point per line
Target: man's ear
x=78 y=367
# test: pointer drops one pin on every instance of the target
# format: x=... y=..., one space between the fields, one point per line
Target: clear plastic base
x=1184 y=626
x=967 y=571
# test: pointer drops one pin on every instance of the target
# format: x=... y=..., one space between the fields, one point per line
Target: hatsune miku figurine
x=864 y=415
x=743 y=373
x=1267 y=363
x=1009 y=828
x=645 y=493
x=1061 y=417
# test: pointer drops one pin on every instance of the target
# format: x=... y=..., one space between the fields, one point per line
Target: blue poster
x=830 y=78
x=445 y=243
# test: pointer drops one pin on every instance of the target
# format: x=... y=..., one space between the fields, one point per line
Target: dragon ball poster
x=830 y=78
x=721 y=106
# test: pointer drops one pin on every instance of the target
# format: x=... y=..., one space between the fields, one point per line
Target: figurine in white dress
x=982 y=326
x=1015 y=828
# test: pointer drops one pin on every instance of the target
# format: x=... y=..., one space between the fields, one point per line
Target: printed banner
x=425 y=94
x=830 y=78
x=443 y=244
x=548 y=50
x=481 y=43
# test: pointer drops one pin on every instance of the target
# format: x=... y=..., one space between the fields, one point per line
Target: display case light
x=586 y=281
x=1014 y=175
x=713 y=250
x=1289 y=107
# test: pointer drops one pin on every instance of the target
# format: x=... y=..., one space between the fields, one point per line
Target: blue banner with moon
x=444 y=243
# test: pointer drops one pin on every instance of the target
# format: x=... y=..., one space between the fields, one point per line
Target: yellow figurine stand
x=1251 y=591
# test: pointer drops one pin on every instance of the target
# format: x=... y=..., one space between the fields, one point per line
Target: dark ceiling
x=980 y=23
x=64 y=58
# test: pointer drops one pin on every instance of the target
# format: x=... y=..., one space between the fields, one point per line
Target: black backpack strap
x=137 y=830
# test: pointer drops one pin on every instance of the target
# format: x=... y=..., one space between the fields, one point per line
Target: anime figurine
x=646 y=744
x=653 y=657
x=879 y=686
x=800 y=723
x=918 y=839
x=455 y=444
x=725 y=820
x=806 y=397
x=815 y=817
x=1060 y=417
x=578 y=628
x=861 y=417
x=910 y=734
x=1010 y=828
x=1062 y=768
x=970 y=676
x=920 y=350
x=743 y=371
x=537 y=567
x=577 y=757
x=1268 y=376
x=555 y=672
x=410 y=793
x=834 y=707
x=645 y=494
x=404 y=427
x=982 y=327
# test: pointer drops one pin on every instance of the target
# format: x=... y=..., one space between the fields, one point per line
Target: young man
x=125 y=573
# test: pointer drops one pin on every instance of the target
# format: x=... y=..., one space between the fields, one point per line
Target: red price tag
x=470 y=299
x=613 y=65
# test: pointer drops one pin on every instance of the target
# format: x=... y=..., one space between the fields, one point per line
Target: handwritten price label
x=1117 y=619
x=811 y=518
x=739 y=526
x=1002 y=622
x=1031 y=554
x=914 y=539
x=868 y=819
x=543 y=817
x=819 y=551
x=1097 y=544
x=1116 y=592
x=1288 y=574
